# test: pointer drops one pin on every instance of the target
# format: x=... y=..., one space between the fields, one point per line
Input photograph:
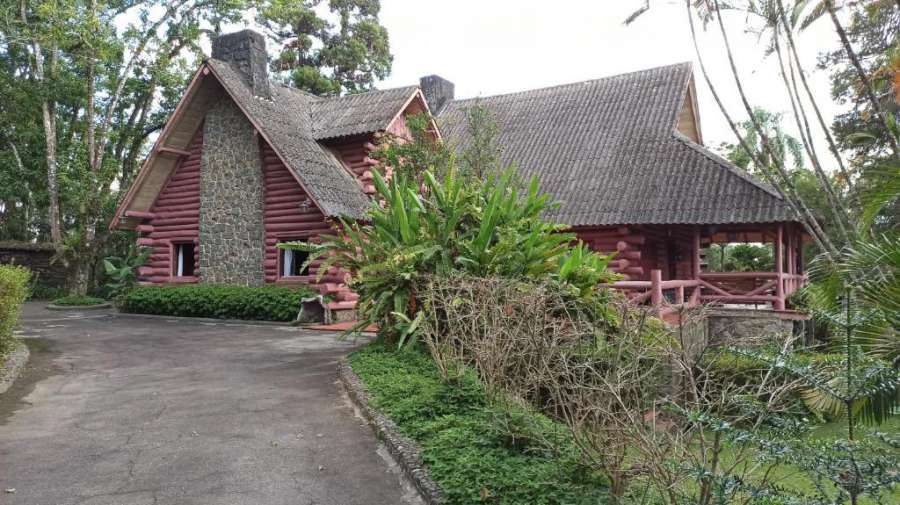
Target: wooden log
x=140 y=215
x=655 y=287
x=144 y=228
x=296 y=218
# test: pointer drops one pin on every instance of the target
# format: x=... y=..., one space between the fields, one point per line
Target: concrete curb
x=105 y=305
x=208 y=319
x=404 y=451
x=13 y=366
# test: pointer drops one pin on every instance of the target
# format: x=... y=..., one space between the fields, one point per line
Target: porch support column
x=779 y=268
x=696 y=253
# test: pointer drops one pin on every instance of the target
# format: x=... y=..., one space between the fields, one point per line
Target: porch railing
x=712 y=287
x=668 y=296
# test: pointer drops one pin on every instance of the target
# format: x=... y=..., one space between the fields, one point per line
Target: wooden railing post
x=656 y=288
x=679 y=295
x=779 y=268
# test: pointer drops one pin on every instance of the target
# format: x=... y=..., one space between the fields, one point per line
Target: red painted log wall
x=354 y=152
x=628 y=245
x=289 y=214
x=176 y=218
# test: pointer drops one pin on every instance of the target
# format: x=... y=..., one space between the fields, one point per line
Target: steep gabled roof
x=361 y=113
x=285 y=121
x=607 y=150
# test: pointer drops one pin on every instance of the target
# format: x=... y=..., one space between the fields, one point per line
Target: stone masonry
x=232 y=241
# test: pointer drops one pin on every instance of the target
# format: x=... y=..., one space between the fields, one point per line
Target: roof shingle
x=607 y=150
x=286 y=121
x=360 y=113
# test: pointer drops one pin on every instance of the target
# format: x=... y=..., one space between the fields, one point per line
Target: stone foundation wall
x=746 y=327
x=232 y=241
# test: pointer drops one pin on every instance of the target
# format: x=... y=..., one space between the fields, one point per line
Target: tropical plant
x=121 y=271
x=489 y=227
x=860 y=390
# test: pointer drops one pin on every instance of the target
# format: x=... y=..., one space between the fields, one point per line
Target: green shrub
x=492 y=227
x=78 y=300
x=466 y=442
x=13 y=292
x=263 y=303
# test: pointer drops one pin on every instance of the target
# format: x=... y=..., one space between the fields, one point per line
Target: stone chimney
x=246 y=50
x=438 y=92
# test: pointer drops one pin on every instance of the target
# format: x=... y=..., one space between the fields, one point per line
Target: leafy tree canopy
x=328 y=50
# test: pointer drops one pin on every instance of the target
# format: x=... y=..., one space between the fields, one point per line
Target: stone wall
x=232 y=242
x=37 y=257
x=744 y=327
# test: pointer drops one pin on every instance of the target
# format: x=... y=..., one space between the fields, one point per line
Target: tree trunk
x=837 y=206
x=81 y=274
x=832 y=146
x=861 y=73
x=809 y=217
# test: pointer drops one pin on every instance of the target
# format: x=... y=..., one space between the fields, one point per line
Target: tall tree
x=786 y=147
x=91 y=93
x=328 y=51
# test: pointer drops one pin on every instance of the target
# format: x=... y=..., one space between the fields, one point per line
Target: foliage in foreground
x=263 y=303
x=489 y=227
x=13 y=292
x=78 y=300
x=466 y=443
x=120 y=272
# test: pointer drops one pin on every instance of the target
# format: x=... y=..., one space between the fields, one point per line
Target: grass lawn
x=791 y=478
x=466 y=454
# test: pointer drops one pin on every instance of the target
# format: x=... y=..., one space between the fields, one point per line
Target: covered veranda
x=676 y=274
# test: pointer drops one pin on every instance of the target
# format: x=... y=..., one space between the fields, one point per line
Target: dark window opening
x=183 y=264
x=292 y=262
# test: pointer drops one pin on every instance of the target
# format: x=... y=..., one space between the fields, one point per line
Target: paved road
x=115 y=410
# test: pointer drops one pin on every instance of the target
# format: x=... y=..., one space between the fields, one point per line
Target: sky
x=488 y=47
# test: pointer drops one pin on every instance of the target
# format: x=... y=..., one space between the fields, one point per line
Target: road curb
x=52 y=306
x=13 y=366
x=404 y=451
x=132 y=315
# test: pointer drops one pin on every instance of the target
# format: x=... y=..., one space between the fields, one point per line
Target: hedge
x=263 y=303
x=13 y=292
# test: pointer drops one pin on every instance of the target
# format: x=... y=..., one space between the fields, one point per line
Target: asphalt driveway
x=115 y=410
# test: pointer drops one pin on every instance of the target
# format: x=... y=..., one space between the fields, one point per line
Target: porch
x=678 y=280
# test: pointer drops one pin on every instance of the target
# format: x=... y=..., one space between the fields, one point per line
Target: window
x=183 y=264
x=291 y=263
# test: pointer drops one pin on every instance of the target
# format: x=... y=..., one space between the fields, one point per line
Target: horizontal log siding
x=354 y=152
x=290 y=214
x=176 y=217
x=626 y=242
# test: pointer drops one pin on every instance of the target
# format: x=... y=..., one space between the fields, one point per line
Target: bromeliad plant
x=485 y=228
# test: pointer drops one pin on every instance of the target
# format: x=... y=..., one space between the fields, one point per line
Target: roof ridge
x=731 y=167
x=687 y=64
x=371 y=91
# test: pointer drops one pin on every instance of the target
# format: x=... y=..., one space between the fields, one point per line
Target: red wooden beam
x=173 y=150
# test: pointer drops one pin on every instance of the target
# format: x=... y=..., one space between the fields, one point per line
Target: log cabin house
x=245 y=163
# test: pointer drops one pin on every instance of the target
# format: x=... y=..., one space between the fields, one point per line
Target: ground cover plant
x=73 y=300
x=468 y=450
x=262 y=303
x=13 y=293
